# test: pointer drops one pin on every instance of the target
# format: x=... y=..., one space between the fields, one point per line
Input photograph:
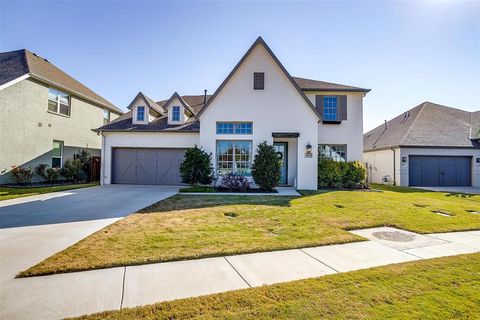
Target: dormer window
x=140 y=113
x=175 y=114
x=258 y=81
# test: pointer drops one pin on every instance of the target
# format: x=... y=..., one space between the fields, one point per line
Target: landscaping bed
x=210 y=189
x=442 y=288
x=198 y=226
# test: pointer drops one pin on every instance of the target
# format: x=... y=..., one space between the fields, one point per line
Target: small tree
x=196 y=167
x=266 y=168
x=49 y=175
x=41 y=170
x=22 y=175
x=71 y=169
x=85 y=164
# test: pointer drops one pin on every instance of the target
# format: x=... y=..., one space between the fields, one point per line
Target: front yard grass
x=443 y=288
x=197 y=226
x=12 y=193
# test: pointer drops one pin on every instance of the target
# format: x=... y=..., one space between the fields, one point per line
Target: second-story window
x=330 y=109
x=258 y=81
x=175 y=113
x=234 y=127
x=106 y=116
x=141 y=113
x=58 y=102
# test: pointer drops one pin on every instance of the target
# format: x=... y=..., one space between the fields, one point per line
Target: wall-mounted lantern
x=308 y=150
x=404 y=159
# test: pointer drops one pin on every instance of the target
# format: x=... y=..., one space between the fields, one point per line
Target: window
x=175 y=113
x=234 y=156
x=234 y=127
x=334 y=152
x=57 y=154
x=258 y=81
x=58 y=102
x=330 y=108
x=106 y=116
x=141 y=113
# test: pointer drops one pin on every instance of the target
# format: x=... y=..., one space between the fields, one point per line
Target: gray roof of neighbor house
x=316 y=85
x=426 y=125
x=14 y=64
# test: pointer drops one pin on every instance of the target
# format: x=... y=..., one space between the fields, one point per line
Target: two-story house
x=46 y=116
x=258 y=101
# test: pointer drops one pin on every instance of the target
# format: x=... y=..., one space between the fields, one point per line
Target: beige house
x=46 y=116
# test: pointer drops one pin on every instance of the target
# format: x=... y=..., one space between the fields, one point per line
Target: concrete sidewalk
x=66 y=295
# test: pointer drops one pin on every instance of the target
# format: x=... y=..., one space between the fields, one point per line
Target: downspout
x=102 y=160
x=394 y=175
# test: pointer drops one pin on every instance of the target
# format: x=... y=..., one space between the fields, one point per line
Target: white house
x=429 y=145
x=258 y=101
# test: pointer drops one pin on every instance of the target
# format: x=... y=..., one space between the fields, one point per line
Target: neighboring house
x=258 y=101
x=429 y=145
x=46 y=116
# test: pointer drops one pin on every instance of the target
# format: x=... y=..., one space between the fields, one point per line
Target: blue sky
x=406 y=52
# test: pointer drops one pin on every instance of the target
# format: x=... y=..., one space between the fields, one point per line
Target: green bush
x=336 y=175
x=266 y=167
x=72 y=170
x=85 y=164
x=196 y=167
x=48 y=174
x=22 y=175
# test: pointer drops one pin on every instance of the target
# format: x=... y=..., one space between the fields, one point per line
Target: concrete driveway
x=467 y=190
x=102 y=202
x=34 y=228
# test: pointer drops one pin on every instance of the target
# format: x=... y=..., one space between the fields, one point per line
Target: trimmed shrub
x=48 y=174
x=196 y=167
x=266 y=167
x=41 y=170
x=22 y=175
x=336 y=175
x=72 y=170
x=234 y=182
x=52 y=175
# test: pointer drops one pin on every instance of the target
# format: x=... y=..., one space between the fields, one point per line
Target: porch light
x=309 y=147
x=308 y=150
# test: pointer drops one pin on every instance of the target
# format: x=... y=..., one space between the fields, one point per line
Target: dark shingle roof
x=194 y=101
x=316 y=85
x=15 y=64
x=124 y=123
x=426 y=125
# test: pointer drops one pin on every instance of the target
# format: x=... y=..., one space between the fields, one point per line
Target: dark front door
x=147 y=166
x=440 y=171
x=282 y=151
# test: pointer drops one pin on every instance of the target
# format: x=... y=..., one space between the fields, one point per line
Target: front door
x=282 y=151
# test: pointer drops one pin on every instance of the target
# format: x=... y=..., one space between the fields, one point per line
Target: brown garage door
x=147 y=166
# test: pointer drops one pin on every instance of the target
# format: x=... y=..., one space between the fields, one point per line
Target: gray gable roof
x=149 y=102
x=317 y=85
x=426 y=125
x=15 y=64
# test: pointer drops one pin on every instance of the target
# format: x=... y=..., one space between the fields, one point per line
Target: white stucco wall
x=141 y=140
x=474 y=153
x=27 y=129
x=380 y=164
x=348 y=132
x=278 y=108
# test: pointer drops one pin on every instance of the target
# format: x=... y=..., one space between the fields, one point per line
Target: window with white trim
x=330 y=109
x=234 y=156
x=57 y=154
x=234 y=127
x=141 y=113
x=337 y=152
x=106 y=116
x=58 y=102
x=175 y=114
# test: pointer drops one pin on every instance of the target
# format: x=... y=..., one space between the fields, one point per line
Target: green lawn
x=196 y=226
x=11 y=193
x=443 y=288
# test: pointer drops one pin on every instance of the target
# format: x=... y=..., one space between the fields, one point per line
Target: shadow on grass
x=398 y=189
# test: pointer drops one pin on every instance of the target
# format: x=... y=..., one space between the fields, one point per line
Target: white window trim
x=58 y=103
x=146 y=117
x=180 y=108
x=61 y=152
x=234 y=168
